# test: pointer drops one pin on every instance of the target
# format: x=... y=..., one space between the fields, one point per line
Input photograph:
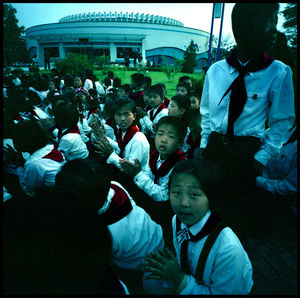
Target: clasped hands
x=102 y=144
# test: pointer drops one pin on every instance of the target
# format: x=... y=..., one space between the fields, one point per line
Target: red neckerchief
x=152 y=117
x=19 y=117
x=74 y=129
x=167 y=101
x=55 y=155
x=94 y=111
x=119 y=207
x=192 y=145
x=122 y=143
x=167 y=164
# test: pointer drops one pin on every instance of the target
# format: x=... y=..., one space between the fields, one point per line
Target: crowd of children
x=142 y=181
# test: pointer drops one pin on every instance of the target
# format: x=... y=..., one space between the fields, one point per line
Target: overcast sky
x=194 y=15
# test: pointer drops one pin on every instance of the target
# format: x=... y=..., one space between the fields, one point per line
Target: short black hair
x=184 y=78
x=28 y=136
x=121 y=102
x=58 y=234
x=205 y=171
x=182 y=101
x=66 y=115
x=83 y=175
x=155 y=89
x=117 y=82
x=243 y=15
x=179 y=126
x=138 y=78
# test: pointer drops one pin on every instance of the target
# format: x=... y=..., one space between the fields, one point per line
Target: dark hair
x=184 y=85
x=83 y=175
x=68 y=81
x=183 y=78
x=28 y=136
x=66 y=115
x=243 y=15
x=163 y=86
x=58 y=234
x=126 y=88
x=89 y=74
x=116 y=82
x=179 y=126
x=107 y=82
x=147 y=82
x=121 y=102
x=138 y=78
x=182 y=101
x=33 y=98
x=192 y=115
x=155 y=89
x=206 y=172
x=110 y=74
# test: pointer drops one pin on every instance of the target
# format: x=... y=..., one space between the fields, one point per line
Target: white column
x=40 y=55
x=113 y=52
x=144 y=49
x=62 y=52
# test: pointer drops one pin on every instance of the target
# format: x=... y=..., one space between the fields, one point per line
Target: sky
x=193 y=15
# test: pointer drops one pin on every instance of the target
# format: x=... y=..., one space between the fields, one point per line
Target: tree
x=14 y=45
x=189 y=58
x=290 y=23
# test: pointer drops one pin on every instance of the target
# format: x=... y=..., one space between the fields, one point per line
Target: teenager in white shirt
x=200 y=268
x=129 y=142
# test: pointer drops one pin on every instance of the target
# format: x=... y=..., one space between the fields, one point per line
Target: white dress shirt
x=134 y=235
x=270 y=96
x=228 y=270
x=138 y=147
x=72 y=146
x=146 y=123
x=145 y=180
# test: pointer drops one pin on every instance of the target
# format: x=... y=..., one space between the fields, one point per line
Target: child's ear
x=182 y=111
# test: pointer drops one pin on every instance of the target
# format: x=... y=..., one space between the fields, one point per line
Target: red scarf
x=74 y=129
x=192 y=145
x=167 y=101
x=152 y=117
x=122 y=143
x=55 y=155
x=167 y=164
x=119 y=207
x=94 y=111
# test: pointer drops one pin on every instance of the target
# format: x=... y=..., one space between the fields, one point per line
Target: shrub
x=198 y=84
x=33 y=68
x=17 y=72
x=74 y=63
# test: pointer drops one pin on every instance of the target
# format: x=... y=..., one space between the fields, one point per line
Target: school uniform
x=154 y=179
x=41 y=94
x=152 y=117
x=190 y=145
x=41 y=167
x=130 y=145
x=88 y=84
x=71 y=144
x=133 y=231
x=227 y=270
x=84 y=128
x=38 y=113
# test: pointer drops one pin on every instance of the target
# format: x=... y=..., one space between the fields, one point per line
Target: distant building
x=117 y=35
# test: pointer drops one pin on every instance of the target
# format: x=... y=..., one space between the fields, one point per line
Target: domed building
x=117 y=35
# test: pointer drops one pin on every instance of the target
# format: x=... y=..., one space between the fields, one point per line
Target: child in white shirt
x=223 y=267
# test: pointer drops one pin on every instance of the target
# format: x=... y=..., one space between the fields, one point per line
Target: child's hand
x=105 y=149
x=164 y=266
x=154 y=127
x=141 y=113
x=98 y=130
x=129 y=168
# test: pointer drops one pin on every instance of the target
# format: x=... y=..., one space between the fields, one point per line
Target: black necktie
x=212 y=221
x=238 y=95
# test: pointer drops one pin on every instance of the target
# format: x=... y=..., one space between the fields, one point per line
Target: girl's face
x=124 y=117
x=181 y=91
x=166 y=140
x=173 y=109
x=195 y=103
x=77 y=82
x=187 y=199
x=154 y=100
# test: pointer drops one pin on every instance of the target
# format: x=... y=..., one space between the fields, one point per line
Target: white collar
x=39 y=154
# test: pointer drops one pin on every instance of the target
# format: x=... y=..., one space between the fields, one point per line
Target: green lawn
x=157 y=77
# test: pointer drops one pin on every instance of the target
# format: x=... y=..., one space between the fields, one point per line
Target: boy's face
x=146 y=99
x=173 y=109
x=166 y=140
x=51 y=86
x=195 y=103
x=124 y=117
x=195 y=125
x=181 y=91
x=77 y=82
x=187 y=199
x=154 y=100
